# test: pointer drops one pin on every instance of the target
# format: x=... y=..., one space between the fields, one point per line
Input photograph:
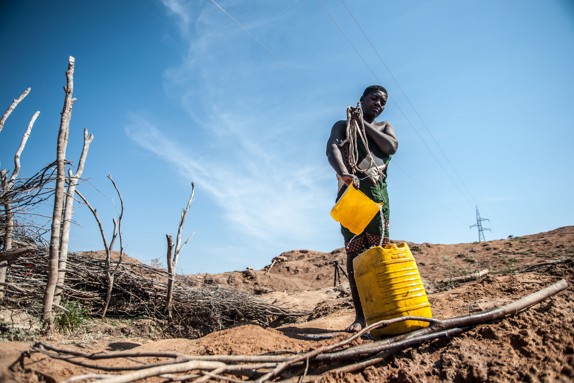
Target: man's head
x=374 y=88
x=373 y=101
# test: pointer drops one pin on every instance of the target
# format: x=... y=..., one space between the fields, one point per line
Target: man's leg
x=386 y=236
x=353 y=249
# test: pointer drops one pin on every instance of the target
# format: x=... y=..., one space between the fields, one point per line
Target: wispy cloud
x=251 y=158
x=180 y=11
x=260 y=196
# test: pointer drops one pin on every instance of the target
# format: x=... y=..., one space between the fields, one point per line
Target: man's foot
x=355 y=327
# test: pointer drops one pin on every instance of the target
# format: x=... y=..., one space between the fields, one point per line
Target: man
x=359 y=150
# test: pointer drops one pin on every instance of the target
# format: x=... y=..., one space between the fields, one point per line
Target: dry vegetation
x=292 y=308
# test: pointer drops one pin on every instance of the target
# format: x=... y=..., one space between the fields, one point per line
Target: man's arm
x=384 y=136
x=334 y=155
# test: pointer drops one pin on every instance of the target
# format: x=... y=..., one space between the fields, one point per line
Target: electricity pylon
x=478 y=224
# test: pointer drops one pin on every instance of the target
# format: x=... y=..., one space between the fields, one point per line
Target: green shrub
x=72 y=318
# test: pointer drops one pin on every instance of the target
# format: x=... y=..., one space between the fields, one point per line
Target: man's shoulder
x=339 y=127
x=340 y=122
x=338 y=131
x=383 y=123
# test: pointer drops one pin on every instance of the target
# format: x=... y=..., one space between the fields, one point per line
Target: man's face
x=373 y=104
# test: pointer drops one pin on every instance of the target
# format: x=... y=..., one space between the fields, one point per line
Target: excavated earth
x=535 y=345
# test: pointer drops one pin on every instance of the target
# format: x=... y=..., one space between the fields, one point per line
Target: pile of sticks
x=139 y=291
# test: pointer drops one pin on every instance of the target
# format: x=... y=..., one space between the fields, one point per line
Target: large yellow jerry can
x=354 y=210
x=389 y=287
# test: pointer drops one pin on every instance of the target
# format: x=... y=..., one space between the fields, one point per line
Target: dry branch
x=27 y=192
x=13 y=106
x=7 y=185
x=73 y=180
x=170 y=272
x=173 y=258
x=59 y=197
x=160 y=370
x=464 y=278
x=108 y=247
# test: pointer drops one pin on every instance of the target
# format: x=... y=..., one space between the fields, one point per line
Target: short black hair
x=374 y=88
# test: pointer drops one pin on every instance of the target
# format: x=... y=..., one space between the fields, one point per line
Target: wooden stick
x=155 y=371
x=465 y=278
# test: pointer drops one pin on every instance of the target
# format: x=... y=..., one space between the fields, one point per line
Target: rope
x=356 y=130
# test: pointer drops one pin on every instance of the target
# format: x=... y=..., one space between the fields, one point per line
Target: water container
x=354 y=210
x=389 y=287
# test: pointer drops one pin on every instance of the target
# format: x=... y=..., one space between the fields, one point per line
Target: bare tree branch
x=118 y=222
x=73 y=180
x=8 y=184
x=178 y=245
x=170 y=273
x=110 y=273
x=21 y=148
x=28 y=192
x=59 y=196
x=12 y=107
x=172 y=261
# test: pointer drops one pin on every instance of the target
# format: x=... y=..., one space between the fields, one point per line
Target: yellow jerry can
x=354 y=210
x=390 y=286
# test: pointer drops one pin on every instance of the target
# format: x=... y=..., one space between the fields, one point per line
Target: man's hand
x=350 y=179
x=357 y=113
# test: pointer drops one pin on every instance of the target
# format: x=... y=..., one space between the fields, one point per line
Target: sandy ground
x=536 y=345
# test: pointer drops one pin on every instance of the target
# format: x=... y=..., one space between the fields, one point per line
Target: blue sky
x=239 y=97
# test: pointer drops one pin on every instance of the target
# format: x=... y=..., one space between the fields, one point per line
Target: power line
x=250 y=34
x=348 y=40
x=414 y=180
x=262 y=45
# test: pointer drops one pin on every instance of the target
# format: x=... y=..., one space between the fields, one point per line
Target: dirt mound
x=536 y=345
x=304 y=270
x=291 y=271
